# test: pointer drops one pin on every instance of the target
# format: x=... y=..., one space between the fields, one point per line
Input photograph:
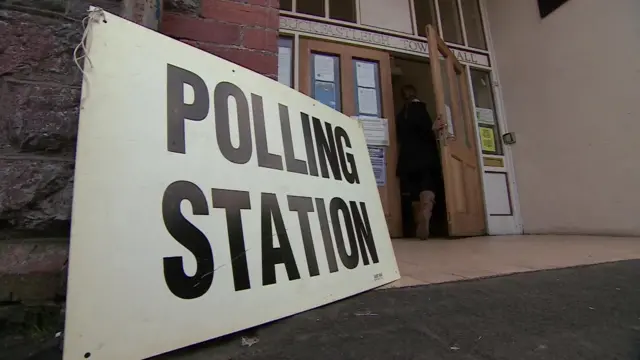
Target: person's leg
x=408 y=218
x=427 y=198
x=411 y=191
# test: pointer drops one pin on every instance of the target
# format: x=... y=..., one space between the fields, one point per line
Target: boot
x=424 y=211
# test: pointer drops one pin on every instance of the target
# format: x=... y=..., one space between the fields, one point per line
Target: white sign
x=375 y=129
x=485 y=116
x=323 y=67
x=366 y=74
x=208 y=199
x=367 y=101
x=379 y=40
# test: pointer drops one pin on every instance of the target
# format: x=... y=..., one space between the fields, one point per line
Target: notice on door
x=366 y=74
x=325 y=93
x=485 y=116
x=375 y=129
x=487 y=139
x=208 y=199
x=324 y=68
x=368 y=101
x=379 y=164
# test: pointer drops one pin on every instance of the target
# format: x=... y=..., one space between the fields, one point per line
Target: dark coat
x=418 y=151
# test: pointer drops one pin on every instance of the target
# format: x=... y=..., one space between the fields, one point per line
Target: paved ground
x=446 y=260
x=578 y=313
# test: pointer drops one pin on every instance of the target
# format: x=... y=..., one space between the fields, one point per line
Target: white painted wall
x=571 y=90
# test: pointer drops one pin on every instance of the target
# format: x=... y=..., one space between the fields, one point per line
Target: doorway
x=361 y=81
x=416 y=72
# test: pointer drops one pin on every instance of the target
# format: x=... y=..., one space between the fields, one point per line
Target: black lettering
x=303 y=206
x=293 y=165
x=233 y=202
x=178 y=111
x=189 y=236
x=327 y=152
x=265 y=158
x=308 y=143
x=337 y=206
x=347 y=160
x=363 y=232
x=326 y=235
x=272 y=256
x=241 y=154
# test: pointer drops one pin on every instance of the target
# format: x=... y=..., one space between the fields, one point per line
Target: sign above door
x=378 y=40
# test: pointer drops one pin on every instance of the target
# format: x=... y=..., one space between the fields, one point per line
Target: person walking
x=418 y=165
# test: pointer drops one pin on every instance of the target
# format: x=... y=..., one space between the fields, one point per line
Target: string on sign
x=95 y=16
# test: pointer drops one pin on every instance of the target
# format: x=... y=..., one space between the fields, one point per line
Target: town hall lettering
x=376 y=39
x=345 y=225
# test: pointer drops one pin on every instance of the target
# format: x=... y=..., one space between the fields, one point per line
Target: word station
x=327 y=156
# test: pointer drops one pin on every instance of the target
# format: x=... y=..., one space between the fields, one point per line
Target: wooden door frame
x=458 y=73
x=391 y=196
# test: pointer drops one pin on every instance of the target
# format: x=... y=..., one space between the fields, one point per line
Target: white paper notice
x=485 y=116
x=323 y=67
x=367 y=101
x=376 y=130
x=284 y=66
x=366 y=74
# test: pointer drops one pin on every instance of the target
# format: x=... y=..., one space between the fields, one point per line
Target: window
x=325 y=88
x=485 y=112
x=367 y=87
x=546 y=7
x=450 y=18
x=344 y=10
x=310 y=7
x=425 y=11
x=473 y=24
x=286 y=5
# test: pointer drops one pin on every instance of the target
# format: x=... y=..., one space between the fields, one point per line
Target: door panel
x=346 y=86
x=460 y=164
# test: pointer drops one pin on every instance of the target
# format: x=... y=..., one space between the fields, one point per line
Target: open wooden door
x=337 y=83
x=458 y=145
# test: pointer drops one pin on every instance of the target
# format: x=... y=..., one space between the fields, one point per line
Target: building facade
x=540 y=97
x=552 y=83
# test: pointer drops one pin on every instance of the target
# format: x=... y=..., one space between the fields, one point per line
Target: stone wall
x=39 y=96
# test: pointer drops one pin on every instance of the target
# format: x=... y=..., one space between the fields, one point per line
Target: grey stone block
x=39 y=117
x=39 y=48
x=36 y=194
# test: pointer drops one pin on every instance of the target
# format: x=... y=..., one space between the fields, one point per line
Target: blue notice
x=325 y=92
x=378 y=163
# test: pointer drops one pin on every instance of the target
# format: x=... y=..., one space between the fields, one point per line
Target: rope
x=95 y=16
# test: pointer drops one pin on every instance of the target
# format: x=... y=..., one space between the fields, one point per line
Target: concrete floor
x=575 y=313
x=444 y=260
x=578 y=313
